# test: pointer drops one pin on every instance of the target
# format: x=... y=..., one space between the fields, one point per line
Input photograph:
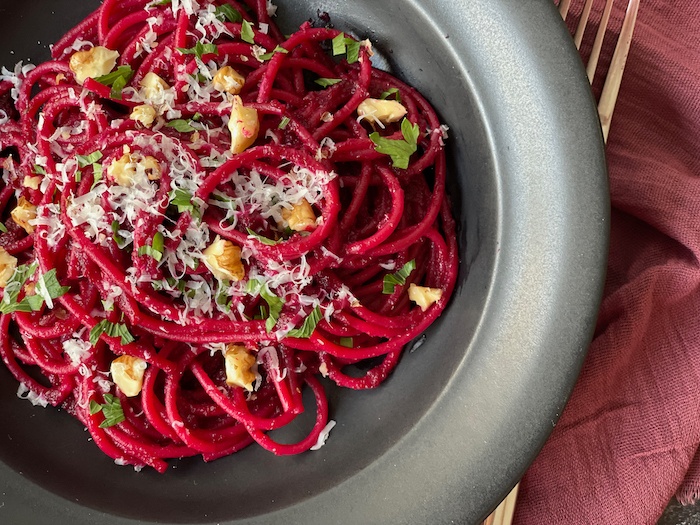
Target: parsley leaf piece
x=112 y=330
x=86 y=160
x=181 y=125
x=398 y=278
x=400 y=150
x=309 y=325
x=112 y=411
x=156 y=248
x=325 y=82
x=39 y=170
x=200 y=49
x=247 y=34
x=339 y=46
x=227 y=12
x=274 y=303
x=264 y=240
x=268 y=56
x=346 y=342
x=389 y=92
x=3 y=228
x=284 y=123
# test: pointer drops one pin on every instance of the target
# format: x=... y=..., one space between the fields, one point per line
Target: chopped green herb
x=338 y=44
x=112 y=330
x=268 y=56
x=47 y=285
x=349 y=47
x=389 y=92
x=112 y=411
x=78 y=176
x=197 y=117
x=325 y=82
x=400 y=150
x=346 y=342
x=181 y=125
x=86 y=160
x=284 y=123
x=184 y=201
x=247 y=34
x=3 y=228
x=222 y=296
x=157 y=3
x=118 y=79
x=226 y=12
x=309 y=325
x=199 y=50
x=156 y=249
x=398 y=278
x=97 y=171
x=274 y=303
x=39 y=170
x=264 y=240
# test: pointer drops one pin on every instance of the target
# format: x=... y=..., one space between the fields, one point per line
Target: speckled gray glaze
x=444 y=439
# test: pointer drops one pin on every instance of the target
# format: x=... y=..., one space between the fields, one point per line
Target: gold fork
x=503 y=515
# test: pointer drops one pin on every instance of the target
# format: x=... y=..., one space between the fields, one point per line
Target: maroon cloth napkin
x=628 y=440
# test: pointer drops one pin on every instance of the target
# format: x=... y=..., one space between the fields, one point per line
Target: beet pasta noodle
x=202 y=217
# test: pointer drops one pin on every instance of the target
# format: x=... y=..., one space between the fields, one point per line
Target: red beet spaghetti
x=202 y=216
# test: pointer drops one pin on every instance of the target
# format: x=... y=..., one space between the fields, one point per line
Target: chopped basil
x=184 y=201
x=47 y=284
x=3 y=228
x=226 y=12
x=156 y=249
x=274 y=303
x=247 y=34
x=156 y=3
x=112 y=330
x=222 y=296
x=346 y=342
x=181 y=125
x=86 y=160
x=389 y=92
x=325 y=82
x=39 y=170
x=264 y=240
x=398 y=278
x=349 y=47
x=400 y=150
x=112 y=410
x=199 y=50
x=284 y=123
x=121 y=241
x=309 y=325
x=268 y=56
x=197 y=117
x=118 y=79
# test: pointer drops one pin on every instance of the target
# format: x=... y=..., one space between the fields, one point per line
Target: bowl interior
x=368 y=422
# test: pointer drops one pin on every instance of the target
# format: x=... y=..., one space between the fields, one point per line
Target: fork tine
x=581 y=29
x=564 y=8
x=611 y=88
x=598 y=42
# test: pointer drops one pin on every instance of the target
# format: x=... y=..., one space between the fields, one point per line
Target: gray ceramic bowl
x=462 y=416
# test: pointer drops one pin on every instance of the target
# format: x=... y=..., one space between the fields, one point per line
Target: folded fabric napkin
x=628 y=440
